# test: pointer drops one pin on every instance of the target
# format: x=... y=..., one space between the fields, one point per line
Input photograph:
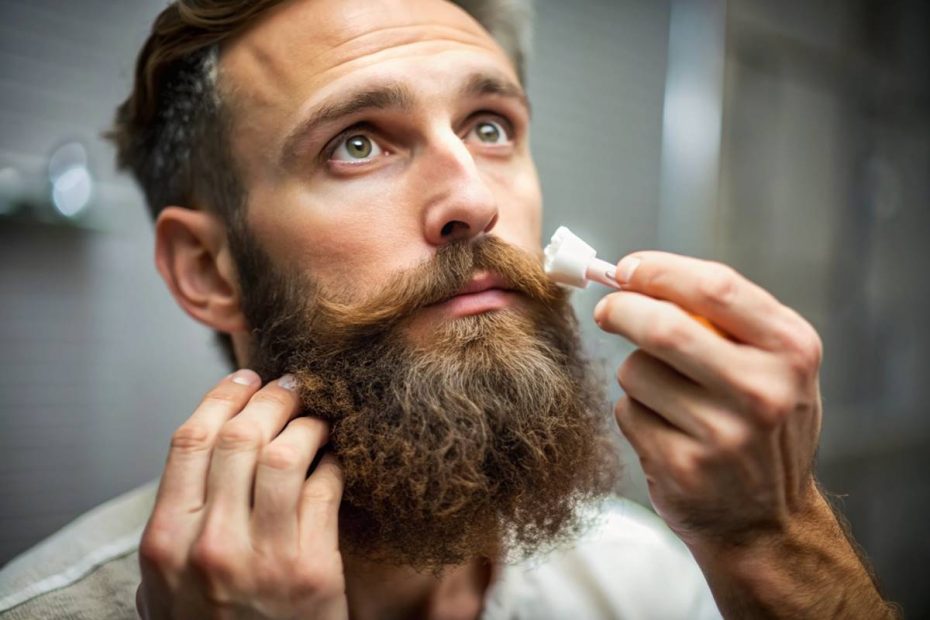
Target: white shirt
x=628 y=565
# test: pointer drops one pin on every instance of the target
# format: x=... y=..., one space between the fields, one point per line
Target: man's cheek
x=519 y=230
x=520 y=221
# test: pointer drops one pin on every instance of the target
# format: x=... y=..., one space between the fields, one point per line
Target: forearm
x=808 y=570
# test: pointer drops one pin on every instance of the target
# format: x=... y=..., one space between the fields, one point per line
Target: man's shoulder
x=626 y=564
x=89 y=568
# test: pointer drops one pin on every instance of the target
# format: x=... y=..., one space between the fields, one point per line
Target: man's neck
x=377 y=591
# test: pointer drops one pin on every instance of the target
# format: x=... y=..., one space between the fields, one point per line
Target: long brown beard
x=483 y=441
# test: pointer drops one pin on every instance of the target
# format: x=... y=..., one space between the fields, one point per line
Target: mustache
x=436 y=280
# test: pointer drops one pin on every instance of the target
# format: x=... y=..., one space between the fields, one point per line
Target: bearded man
x=344 y=191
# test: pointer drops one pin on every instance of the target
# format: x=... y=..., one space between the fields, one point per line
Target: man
x=345 y=191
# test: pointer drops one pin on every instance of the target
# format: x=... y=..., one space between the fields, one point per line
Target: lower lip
x=476 y=303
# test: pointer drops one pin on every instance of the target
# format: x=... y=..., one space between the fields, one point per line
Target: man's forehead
x=303 y=45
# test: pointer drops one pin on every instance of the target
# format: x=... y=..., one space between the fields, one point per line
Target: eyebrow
x=478 y=84
x=391 y=95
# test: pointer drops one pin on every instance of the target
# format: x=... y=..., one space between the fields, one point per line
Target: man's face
x=371 y=134
x=386 y=161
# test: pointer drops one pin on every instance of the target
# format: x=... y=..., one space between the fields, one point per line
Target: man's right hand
x=238 y=529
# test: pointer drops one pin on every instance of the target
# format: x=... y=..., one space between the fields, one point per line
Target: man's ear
x=192 y=255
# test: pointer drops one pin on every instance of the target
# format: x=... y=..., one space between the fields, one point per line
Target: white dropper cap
x=571 y=261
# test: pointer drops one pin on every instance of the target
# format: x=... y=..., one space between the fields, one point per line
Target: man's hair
x=172 y=131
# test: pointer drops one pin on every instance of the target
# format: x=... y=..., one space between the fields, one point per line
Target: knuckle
x=272 y=398
x=280 y=457
x=769 y=404
x=736 y=378
x=157 y=548
x=311 y=423
x=667 y=331
x=314 y=427
x=730 y=440
x=323 y=494
x=239 y=437
x=807 y=352
x=222 y=396
x=312 y=578
x=191 y=437
x=685 y=468
x=718 y=284
x=211 y=558
x=800 y=343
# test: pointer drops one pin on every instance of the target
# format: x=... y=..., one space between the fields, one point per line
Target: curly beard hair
x=482 y=438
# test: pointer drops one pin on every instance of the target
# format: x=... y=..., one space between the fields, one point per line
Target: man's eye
x=355 y=148
x=489 y=132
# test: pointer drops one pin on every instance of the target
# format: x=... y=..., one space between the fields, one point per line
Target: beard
x=483 y=437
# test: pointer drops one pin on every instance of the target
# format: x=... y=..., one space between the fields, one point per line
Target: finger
x=666 y=331
x=184 y=481
x=652 y=437
x=319 y=506
x=715 y=291
x=679 y=400
x=238 y=444
x=279 y=480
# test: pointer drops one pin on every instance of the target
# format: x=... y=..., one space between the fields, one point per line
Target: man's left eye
x=489 y=132
x=356 y=148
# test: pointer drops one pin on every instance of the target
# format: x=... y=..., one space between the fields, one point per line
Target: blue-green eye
x=355 y=148
x=489 y=132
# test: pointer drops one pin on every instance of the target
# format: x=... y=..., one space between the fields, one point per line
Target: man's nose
x=459 y=204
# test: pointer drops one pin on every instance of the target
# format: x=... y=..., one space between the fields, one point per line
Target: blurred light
x=72 y=185
x=71 y=191
x=691 y=122
x=65 y=157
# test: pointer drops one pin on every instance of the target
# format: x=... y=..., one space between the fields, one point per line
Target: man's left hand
x=726 y=427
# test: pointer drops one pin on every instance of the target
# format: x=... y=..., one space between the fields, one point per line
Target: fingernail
x=626 y=269
x=288 y=382
x=244 y=377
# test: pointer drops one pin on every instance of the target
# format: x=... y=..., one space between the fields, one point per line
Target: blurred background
x=790 y=139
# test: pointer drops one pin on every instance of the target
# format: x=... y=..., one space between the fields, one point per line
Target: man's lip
x=482 y=282
x=483 y=293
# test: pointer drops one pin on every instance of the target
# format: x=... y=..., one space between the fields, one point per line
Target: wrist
x=802 y=566
x=810 y=515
